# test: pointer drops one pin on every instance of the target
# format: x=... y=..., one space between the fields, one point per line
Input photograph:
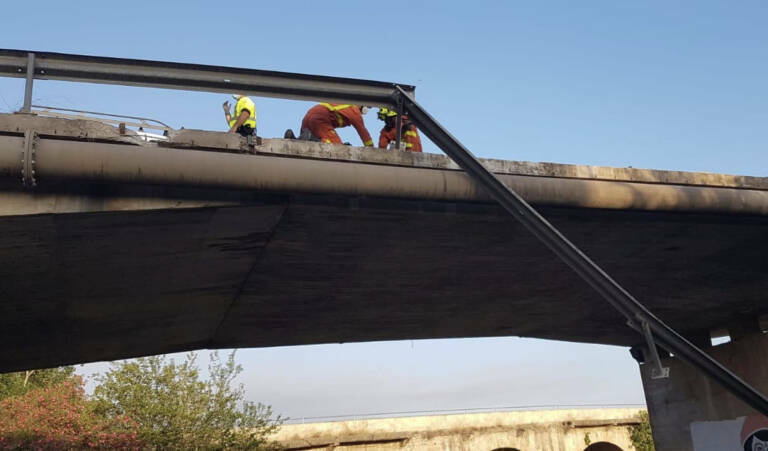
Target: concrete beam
x=307 y=259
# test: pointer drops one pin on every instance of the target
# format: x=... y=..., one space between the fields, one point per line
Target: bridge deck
x=94 y=270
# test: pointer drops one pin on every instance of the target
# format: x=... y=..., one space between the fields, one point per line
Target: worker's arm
x=227 y=116
x=244 y=115
x=384 y=138
x=357 y=122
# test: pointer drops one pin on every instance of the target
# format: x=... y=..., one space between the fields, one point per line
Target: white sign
x=741 y=434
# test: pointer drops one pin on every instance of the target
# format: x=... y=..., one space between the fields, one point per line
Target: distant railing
x=433 y=412
x=143 y=122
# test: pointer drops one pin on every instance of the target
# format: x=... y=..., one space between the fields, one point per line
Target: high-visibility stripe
x=411 y=133
x=334 y=108
x=368 y=143
x=408 y=145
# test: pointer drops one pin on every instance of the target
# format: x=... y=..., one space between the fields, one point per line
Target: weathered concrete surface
x=554 y=430
x=77 y=161
x=77 y=128
x=92 y=198
x=527 y=168
x=188 y=138
x=300 y=270
x=688 y=396
x=101 y=271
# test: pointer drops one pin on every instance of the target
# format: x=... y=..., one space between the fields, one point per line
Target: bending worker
x=389 y=133
x=321 y=121
x=244 y=120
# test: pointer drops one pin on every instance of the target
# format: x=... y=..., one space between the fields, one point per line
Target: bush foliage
x=640 y=434
x=147 y=403
x=16 y=384
x=176 y=409
x=60 y=417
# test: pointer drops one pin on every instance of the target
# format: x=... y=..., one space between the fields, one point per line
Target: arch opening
x=602 y=446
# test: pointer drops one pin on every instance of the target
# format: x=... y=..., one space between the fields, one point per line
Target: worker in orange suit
x=389 y=133
x=322 y=120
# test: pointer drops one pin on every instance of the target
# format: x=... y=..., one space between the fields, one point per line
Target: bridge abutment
x=688 y=400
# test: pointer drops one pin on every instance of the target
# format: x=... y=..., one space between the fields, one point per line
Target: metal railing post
x=27 y=108
x=399 y=124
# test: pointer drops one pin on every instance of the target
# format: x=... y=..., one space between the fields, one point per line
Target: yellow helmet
x=384 y=113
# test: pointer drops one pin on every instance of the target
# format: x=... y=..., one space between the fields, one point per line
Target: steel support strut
x=399 y=124
x=27 y=108
x=588 y=270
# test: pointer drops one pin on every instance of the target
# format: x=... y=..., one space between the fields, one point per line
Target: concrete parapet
x=541 y=430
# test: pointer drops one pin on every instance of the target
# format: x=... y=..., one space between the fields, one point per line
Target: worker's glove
x=225 y=106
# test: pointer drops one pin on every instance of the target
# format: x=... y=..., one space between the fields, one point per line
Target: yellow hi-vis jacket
x=244 y=103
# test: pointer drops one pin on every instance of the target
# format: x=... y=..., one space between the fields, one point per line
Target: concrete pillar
x=688 y=396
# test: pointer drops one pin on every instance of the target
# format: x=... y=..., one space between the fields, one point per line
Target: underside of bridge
x=93 y=271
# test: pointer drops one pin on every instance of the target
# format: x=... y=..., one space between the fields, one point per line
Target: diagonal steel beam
x=588 y=270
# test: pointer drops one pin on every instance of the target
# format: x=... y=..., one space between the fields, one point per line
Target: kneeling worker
x=244 y=120
x=389 y=133
x=321 y=121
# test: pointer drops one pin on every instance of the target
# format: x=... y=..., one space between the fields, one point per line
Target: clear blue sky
x=657 y=84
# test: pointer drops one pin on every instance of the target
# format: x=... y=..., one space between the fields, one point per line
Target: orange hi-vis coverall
x=324 y=118
x=410 y=136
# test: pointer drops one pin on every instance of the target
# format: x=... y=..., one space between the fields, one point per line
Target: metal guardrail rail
x=192 y=77
x=58 y=66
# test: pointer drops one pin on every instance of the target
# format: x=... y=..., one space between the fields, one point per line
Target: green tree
x=640 y=434
x=19 y=383
x=174 y=408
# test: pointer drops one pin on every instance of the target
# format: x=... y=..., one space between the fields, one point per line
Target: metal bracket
x=28 y=159
x=657 y=370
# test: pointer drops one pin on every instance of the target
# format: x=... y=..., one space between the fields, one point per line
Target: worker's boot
x=307 y=135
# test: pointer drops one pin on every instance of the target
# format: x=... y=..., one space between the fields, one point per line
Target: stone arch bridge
x=605 y=429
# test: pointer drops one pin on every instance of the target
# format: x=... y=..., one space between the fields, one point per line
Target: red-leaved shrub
x=58 y=417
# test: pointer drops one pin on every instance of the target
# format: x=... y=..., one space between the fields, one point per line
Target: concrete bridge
x=540 y=430
x=125 y=248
